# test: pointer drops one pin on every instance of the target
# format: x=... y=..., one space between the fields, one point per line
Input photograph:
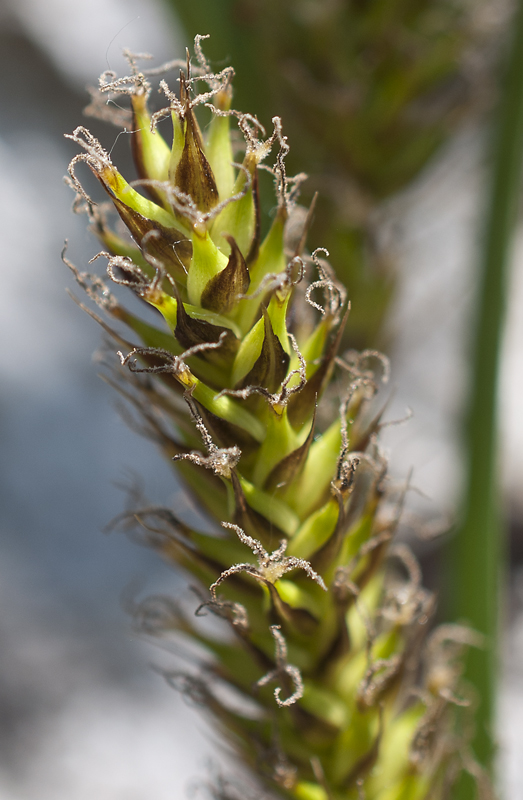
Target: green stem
x=478 y=553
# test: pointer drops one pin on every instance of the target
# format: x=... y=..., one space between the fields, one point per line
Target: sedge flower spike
x=235 y=373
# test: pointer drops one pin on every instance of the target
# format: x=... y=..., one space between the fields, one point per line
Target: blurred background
x=397 y=147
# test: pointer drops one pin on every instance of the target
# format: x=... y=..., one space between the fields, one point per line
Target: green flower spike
x=323 y=616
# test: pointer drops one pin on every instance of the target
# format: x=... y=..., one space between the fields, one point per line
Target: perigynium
x=275 y=435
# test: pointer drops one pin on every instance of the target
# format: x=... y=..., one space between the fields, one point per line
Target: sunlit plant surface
x=339 y=687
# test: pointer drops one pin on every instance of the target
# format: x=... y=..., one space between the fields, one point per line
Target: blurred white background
x=81 y=712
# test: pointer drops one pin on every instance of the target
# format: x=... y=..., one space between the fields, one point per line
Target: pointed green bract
x=177 y=145
x=119 y=187
x=152 y=152
x=220 y=155
x=238 y=219
x=207 y=261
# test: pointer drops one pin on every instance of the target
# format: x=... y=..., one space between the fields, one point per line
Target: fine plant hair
x=340 y=691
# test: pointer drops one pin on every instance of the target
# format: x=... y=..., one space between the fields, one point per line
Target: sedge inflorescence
x=240 y=381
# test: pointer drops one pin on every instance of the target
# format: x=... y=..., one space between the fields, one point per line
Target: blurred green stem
x=478 y=554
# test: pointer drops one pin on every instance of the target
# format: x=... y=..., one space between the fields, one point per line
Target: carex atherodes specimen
x=323 y=624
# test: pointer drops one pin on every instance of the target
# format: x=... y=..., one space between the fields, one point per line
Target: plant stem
x=478 y=554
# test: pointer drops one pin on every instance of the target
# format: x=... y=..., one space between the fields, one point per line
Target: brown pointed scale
x=224 y=433
x=254 y=249
x=160 y=529
x=302 y=404
x=190 y=332
x=270 y=368
x=365 y=490
x=221 y=293
x=373 y=557
x=361 y=433
x=325 y=556
x=298 y=618
x=194 y=175
x=167 y=245
x=340 y=644
x=367 y=761
x=152 y=427
x=202 y=485
x=362 y=490
x=289 y=467
x=179 y=550
x=150 y=360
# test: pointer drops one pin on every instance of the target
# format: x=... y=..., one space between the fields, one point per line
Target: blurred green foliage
x=478 y=556
x=369 y=92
